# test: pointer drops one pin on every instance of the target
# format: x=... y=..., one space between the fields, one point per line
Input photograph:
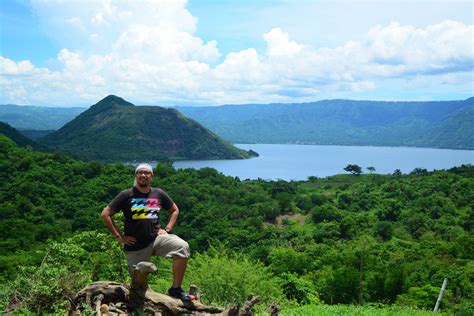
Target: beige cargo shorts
x=165 y=245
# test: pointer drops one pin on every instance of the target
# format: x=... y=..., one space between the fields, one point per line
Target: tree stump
x=111 y=298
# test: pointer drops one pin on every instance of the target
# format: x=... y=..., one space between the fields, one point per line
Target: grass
x=349 y=310
x=340 y=180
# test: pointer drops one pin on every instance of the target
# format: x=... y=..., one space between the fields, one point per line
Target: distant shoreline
x=345 y=145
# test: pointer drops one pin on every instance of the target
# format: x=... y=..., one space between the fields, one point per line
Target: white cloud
x=71 y=61
x=147 y=52
x=440 y=48
x=239 y=67
x=278 y=43
x=9 y=67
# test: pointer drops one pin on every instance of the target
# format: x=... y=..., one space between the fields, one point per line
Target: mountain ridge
x=30 y=117
x=344 y=122
x=115 y=130
x=439 y=124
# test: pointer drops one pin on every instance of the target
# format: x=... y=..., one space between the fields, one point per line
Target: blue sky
x=202 y=52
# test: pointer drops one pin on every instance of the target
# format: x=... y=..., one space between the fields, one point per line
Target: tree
x=312 y=179
x=354 y=169
x=397 y=173
x=371 y=169
x=419 y=172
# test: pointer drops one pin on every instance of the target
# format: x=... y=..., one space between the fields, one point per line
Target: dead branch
x=111 y=298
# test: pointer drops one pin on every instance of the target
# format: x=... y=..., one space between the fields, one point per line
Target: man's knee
x=184 y=251
x=134 y=257
x=171 y=246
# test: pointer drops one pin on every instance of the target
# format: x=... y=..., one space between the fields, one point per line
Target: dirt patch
x=283 y=219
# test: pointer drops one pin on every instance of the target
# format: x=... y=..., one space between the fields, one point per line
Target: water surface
x=298 y=162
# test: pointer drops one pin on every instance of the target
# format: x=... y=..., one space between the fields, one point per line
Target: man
x=143 y=236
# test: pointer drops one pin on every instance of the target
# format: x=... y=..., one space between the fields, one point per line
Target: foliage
x=18 y=138
x=465 y=308
x=354 y=169
x=419 y=296
x=299 y=289
x=365 y=240
x=227 y=277
x=65 y=268
x=367 y=310
x=47 y=288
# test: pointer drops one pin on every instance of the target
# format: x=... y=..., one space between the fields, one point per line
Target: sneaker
x=179 y=294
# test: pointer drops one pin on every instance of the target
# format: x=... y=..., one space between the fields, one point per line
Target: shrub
x=226 y=278
x=423 y=297
x=299 y=289
x=66 y=268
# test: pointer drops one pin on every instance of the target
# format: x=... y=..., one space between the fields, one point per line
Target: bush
x=422 y=297
x=299 y=289
x=226 y=278
x=47 y=288
x=466 y=308
x=66 y=268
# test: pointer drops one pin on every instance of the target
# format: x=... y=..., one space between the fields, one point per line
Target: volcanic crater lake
x=298 y=162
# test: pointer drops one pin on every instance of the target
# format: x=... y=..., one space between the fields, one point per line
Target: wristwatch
x=168 y=230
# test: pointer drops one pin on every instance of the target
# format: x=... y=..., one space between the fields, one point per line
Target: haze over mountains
x=442 y=124
x=116 y=130
x=30 y=117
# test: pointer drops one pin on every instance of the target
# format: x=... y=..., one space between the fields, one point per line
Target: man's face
x=144 y=178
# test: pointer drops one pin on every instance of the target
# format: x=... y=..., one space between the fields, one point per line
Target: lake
x=298 y=162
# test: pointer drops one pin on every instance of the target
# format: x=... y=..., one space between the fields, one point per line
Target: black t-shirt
x=141 y=212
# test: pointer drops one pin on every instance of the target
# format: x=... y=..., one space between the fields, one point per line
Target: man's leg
x=134 y=257
x=179 y=268
x=171 y=246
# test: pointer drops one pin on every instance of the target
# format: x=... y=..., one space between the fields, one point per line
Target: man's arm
x=173 y=211
x=106 y=216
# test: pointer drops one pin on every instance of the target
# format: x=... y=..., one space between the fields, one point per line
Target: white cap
x=144 y=166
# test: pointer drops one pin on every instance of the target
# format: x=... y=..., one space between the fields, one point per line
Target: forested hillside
x=345 y=239
x=442 y=124
x=116 y=130
x=18 y=138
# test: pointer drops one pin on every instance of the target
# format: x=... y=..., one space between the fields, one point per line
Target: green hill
x=18 y=138
x=455 y=131
x=444 y=124
x=116 y=130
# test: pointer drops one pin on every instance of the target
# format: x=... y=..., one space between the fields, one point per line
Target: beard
x=142 y=183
